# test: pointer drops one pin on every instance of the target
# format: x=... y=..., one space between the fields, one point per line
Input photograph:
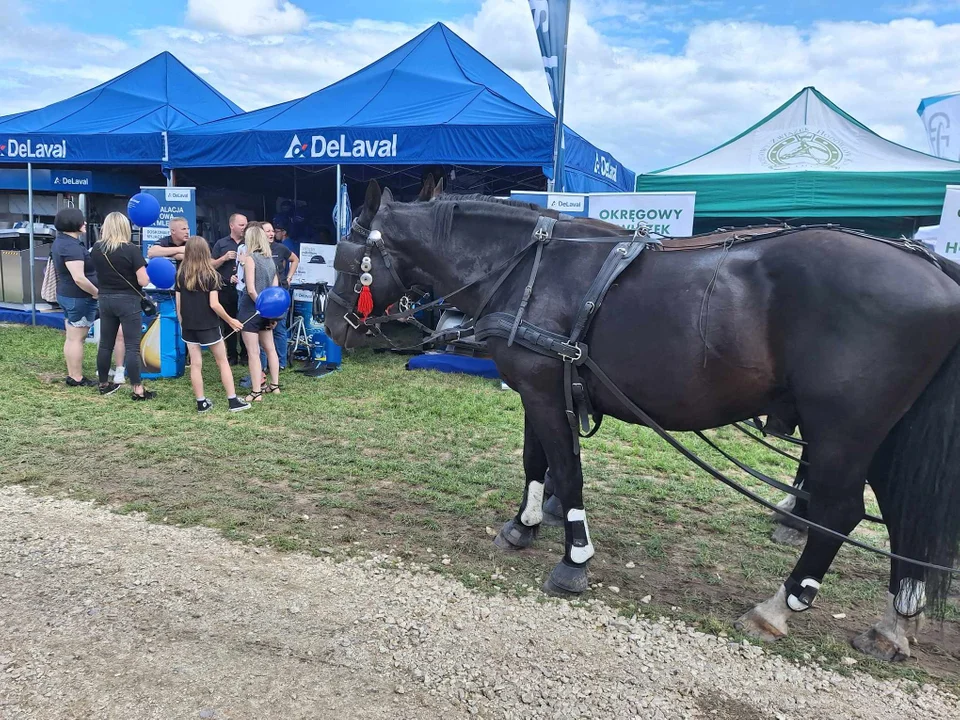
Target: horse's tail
x=923 y=472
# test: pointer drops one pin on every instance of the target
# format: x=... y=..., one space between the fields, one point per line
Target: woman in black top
x=200 y=312
x=121 y=272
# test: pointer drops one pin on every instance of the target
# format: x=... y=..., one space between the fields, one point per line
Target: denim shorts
x=79 y=312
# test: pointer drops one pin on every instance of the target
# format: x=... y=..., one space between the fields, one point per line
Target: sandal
x=254 y=397
x=272 y=389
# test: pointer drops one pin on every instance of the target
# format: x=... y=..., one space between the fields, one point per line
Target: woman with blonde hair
x=259 y=273
x=121 y=272
x=200 y=313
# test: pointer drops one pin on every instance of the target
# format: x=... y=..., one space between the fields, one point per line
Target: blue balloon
x=162 y=272
x=143 y=209
x=273 y=302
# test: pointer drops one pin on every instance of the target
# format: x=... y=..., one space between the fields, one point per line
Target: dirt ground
x=107 y=616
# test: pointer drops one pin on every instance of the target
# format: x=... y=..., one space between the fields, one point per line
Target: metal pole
x=33 y=250
x=339 y=229
x=558 y=179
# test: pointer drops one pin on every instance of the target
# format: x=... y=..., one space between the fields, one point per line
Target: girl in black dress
x=200 y=312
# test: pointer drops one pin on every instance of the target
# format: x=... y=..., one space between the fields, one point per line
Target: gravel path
x=105 y=616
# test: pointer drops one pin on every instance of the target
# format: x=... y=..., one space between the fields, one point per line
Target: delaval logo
x=29 y=150
x=605 y=168
x=176 y=195
x=71 y=181
x=320 y=147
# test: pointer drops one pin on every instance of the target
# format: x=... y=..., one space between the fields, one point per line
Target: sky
x=655 y=83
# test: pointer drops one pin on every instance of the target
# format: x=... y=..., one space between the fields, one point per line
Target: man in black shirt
x=225 y=260
x=172 y=245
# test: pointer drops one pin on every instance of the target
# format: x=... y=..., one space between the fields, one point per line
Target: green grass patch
x=378 y=458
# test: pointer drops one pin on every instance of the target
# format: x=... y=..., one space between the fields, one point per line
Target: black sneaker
x=109 y=388
x=236 y=405
x=82 y=382
x=204 y=406
x=147 y=395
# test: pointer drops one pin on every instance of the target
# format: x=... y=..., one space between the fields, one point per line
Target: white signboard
x=665 y=214
x=948 y=236
x=566 y=202
x=316 y=265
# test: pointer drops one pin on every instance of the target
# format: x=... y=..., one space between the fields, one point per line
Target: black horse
x=856 y=337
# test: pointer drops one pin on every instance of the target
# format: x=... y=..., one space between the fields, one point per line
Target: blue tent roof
x=434 y=100
x=118 y=122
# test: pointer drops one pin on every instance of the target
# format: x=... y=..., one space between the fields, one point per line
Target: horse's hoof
x=515 y=536
x=566 y=581
x=878 y=644
x=552 y=512
x=785 y=535
x=754 y=625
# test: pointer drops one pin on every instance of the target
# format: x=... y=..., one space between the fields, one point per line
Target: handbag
x=148 y=306
x=48 y=288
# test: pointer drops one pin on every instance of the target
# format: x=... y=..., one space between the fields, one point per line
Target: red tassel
x=365 y=302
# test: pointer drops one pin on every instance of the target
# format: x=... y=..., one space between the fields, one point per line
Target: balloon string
x=234 y=332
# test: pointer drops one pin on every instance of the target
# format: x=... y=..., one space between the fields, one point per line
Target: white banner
x=665 y=214
x=948 y=235
x=316 y=265
x=941 y=118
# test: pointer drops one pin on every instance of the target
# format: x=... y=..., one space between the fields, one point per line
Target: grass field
x=428 y=466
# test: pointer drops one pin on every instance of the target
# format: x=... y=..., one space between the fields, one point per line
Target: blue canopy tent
x=124 y=121
x=121 y=122
x=433 y=101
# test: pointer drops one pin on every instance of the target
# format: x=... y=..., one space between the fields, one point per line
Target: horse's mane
x=479 y=197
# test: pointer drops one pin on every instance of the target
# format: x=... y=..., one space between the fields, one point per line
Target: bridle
x=360 y=264
x=359 y=267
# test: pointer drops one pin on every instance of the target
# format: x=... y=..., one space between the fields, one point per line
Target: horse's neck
x=474 y=248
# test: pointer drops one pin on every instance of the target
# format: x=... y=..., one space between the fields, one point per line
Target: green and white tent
x=809 y=161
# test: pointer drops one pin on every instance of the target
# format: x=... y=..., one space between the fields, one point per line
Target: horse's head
x=366 y=261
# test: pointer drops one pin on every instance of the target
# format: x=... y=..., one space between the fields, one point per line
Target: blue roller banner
x=174 y=202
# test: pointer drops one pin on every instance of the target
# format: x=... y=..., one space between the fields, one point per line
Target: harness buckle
x=577 y=353
x=353 y=320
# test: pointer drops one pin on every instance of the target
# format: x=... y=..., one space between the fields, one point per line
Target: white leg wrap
x=911 y=599
x=795 y=603
x=580 y=554
x=533 y=511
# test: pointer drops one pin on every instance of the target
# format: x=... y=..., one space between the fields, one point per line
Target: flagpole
x=558 y=179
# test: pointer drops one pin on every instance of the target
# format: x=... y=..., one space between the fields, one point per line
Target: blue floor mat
x=444 y=362
x=45 y=319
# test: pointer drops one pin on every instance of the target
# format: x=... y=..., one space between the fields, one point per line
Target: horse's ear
x=438 y=190
x=387 y=196
x=371 y=203
x=426 y=192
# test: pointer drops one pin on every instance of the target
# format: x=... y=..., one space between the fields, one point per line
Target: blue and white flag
x=550 y=18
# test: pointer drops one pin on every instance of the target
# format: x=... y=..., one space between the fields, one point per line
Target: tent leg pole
x=33 y=250
x=336 y=204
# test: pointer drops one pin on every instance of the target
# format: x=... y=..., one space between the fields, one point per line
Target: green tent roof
x=809 y=159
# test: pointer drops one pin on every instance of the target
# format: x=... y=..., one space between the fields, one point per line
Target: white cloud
x=247 y=17
x=648 y=106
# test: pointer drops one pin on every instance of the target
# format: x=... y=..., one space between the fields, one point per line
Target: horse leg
x=788 y=531
x=838 y=506
x=552 y=509
x=521 y=531
x=548 y=415
x=889 y=639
